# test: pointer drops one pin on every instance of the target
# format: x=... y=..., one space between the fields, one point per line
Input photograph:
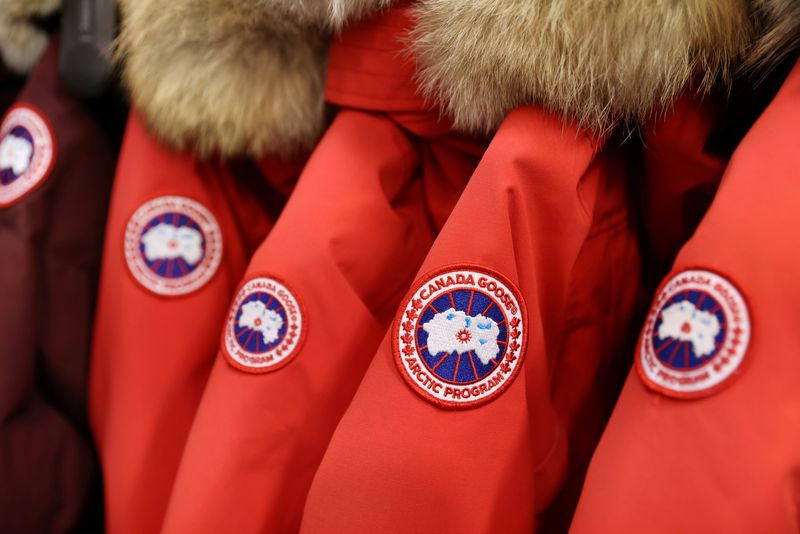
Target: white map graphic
x=453 y=330
x=15 y=154
x=256 y=316
x=684 y=322
x=167 y=242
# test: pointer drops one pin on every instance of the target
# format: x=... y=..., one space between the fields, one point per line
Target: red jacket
x=179 y=235
x=321 y=290
x=704 y=437
x=468 y=414
x=215 y=91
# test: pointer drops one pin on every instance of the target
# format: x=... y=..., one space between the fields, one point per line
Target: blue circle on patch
x=27 y=153
x=695 y=336
x=689 y=330
x=172 y=245
x=7 y=174
x=260 y=324
x=265 y=327
x=462 y=336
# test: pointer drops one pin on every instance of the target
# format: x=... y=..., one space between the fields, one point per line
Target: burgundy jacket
x=56 y=167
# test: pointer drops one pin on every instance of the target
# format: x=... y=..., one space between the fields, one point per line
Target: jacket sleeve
x=161 y=301
x=342 y=252
x=454 y=427
x=705 y=434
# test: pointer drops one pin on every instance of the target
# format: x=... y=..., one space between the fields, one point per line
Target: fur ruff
x=21 y=42
x=223 y=77
x=332 y=14
x=597 y=62
x=233 y=77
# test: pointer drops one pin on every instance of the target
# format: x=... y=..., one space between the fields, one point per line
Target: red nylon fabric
x=726 y=462
x=677 y=180
x=544 y=209
x=376 y=190
x=680 y=176
x=151 y=353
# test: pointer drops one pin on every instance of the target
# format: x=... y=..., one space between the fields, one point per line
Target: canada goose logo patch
x=27 y=153
x=460 y=339
x=695 y=337
x=173 y=245
x=265 y=328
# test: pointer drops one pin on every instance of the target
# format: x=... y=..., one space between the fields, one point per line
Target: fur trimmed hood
x=597 y=62
x=21 y=41
x=223 y=77
x=333 y=14
x=233 y=77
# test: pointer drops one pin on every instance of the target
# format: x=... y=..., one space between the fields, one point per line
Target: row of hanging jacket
x=401 y=266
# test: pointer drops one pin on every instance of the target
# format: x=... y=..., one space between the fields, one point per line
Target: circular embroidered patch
x=173 y=245
x=265 y=328
x=27 y=153
x=695 y=337
x=460 y=339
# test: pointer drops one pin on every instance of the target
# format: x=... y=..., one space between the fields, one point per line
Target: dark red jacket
x=56 y=168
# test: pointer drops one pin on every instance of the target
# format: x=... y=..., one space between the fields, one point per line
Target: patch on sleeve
x=265 y=328
x=173 y=245
x=460 y=338
x=27 y=153
x=695 y=337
